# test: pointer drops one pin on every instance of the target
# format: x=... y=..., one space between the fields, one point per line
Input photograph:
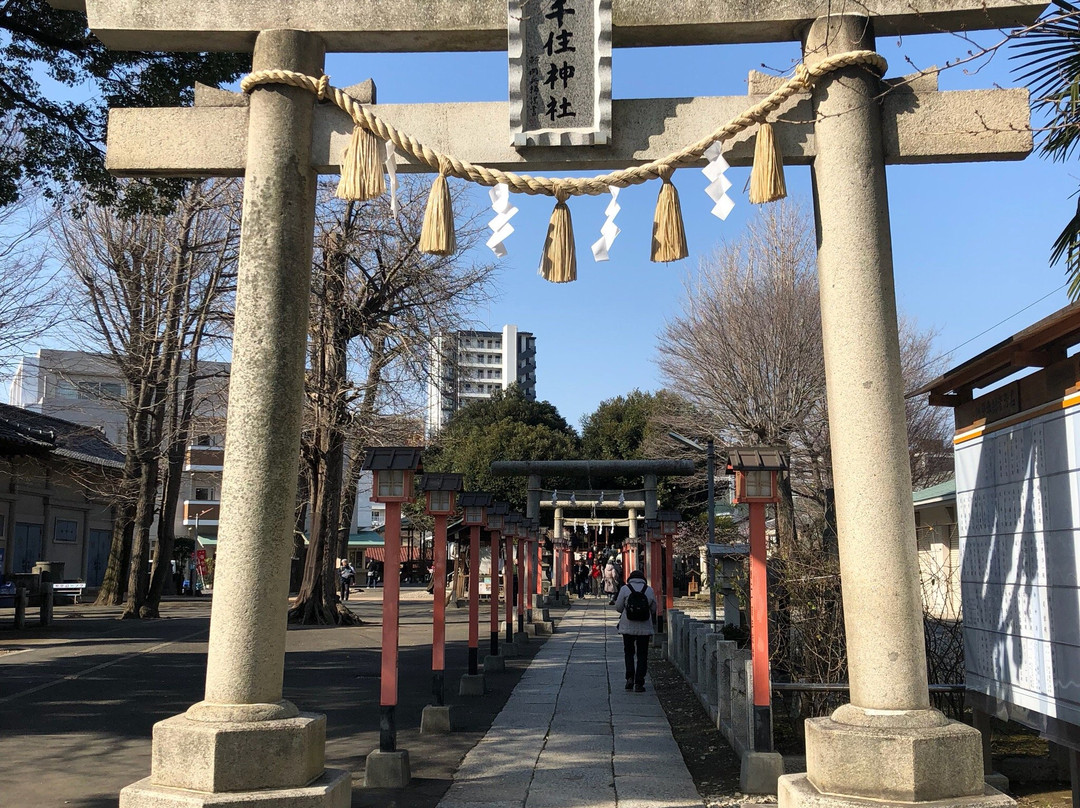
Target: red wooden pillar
x=495 y=536
x=527 y=584
x=508 y=586
x=522 y=586
x=656 y=575
x=438 y=629
x=388 y=682
x=474 y=599
x=759 y=629
x=669 y=582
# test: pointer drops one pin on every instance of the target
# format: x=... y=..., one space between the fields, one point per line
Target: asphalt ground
x=78 y=700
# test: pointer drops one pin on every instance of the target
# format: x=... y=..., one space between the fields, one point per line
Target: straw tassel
x=668 y=233
x=437 y=236
x=559 y=264
x=767 y=175
x=362 y=167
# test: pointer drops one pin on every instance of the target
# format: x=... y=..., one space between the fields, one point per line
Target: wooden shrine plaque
x=560 y=72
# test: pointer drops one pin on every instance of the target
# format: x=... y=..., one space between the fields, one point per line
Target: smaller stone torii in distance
x=648 y=470
x=245 y=744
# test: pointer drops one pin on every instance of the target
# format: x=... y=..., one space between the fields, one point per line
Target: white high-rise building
x=471 y=365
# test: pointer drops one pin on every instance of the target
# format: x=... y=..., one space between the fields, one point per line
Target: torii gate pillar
x=888 y=744
x=244 y=744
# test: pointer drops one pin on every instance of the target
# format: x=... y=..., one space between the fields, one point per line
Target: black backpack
x=637 y=605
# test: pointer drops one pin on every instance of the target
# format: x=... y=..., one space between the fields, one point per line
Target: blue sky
x=970 y=241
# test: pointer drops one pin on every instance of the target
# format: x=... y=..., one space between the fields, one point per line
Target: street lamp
x=710 y=472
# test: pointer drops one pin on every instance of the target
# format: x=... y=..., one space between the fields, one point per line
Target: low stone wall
x=720 y=673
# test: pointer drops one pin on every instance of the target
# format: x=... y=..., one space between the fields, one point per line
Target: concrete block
x=332 y=790
x=538 y=601
x=219 y=756
x=909 y=764
x=387 y=769
x=530 y=630
x=543 y=628
x=521 y=639
x=759 y=771
x=436 y=720
x=509 y=650
x=494 y=663
x=796 y=791
x=997 y=781
x=471 y=685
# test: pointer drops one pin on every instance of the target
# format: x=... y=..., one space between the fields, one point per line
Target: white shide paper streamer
x=609 y=230
x=500 y=225
x=391 y=173
x=719 y=185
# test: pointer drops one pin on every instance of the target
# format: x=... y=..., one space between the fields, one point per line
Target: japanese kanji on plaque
x=560 y=72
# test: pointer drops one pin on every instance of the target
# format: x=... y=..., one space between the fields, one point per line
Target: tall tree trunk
x=318 y=597
x=114 y=583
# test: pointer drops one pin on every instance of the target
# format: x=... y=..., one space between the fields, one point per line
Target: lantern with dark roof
x=440 y=490
x=669 y=522
x=392 y=468
x=755 y=473
x=496 y=515
x=474 y=507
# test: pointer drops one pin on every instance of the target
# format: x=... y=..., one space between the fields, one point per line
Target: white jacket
x=637 y=627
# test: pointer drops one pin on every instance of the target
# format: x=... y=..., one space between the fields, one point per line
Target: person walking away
x=636 y=605
x=594 y=579
x=611 y=588
x=582 y=578
x=348 y=575
x=372 y=573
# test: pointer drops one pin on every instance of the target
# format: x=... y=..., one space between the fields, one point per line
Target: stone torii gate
x=243 y=744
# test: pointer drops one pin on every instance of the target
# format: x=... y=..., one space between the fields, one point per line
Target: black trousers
x=636 y=645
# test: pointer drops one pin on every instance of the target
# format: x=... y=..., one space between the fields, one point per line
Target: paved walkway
x=570 y=736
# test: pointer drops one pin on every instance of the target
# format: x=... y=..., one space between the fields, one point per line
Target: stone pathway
x=570 y=736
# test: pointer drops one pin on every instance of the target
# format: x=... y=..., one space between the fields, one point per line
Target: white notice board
x=1017 y=495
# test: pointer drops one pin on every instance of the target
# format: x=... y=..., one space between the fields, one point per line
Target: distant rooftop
x=23 y=431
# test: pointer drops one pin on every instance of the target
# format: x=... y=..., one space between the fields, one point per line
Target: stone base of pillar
x=759 y=771
x=658 y=640
x=436 y=720
x=494 y=663
x=530 y=630
x=543 y=628
x=231 y=756
x=997 y=780
x=387 y=769
x=867 y=757
x=509 y=650
x=521 y=638
x=796 y=791
x=471 y=685
x=332 y=790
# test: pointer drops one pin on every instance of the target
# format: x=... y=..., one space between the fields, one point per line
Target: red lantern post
x=440 y=490
x=392 y=469
x=510 y=524
x=496 y=514
x=474 y=508
x=755 y=484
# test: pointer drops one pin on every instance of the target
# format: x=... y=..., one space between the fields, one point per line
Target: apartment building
x=88 y=388
x=472 y=365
